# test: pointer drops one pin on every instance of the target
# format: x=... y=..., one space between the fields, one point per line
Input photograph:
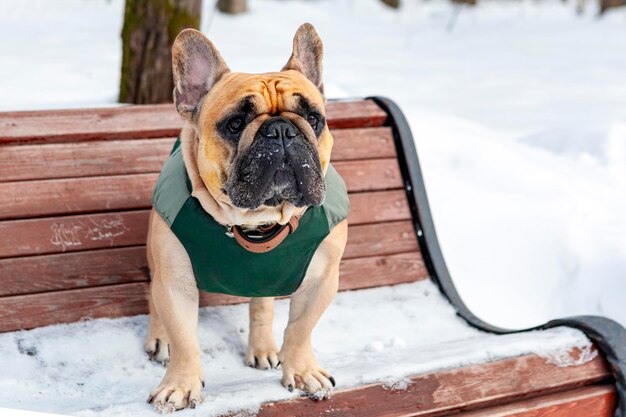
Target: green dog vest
x=219 y=263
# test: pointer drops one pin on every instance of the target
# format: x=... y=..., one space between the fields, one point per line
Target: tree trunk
x=392 y=3
x=232 y=6
x=150 y=27
x=609 y=4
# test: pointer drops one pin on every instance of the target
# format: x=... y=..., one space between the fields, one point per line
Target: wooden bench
x=75 y=188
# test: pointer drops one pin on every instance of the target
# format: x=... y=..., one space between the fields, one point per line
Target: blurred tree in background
x=150 y=27
x=232 y=6
x=392 y=3
x=608 y=4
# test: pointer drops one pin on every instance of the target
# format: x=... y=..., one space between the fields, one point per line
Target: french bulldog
x=231 y=120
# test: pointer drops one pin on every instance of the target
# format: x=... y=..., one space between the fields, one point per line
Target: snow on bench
x=370 y=336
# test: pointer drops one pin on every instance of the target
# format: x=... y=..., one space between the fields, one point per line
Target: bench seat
x=389 y=344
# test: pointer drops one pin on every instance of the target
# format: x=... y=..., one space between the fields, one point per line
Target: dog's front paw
x=262 y=351
x=178 y=390
x=157 y=348
x=301 y=371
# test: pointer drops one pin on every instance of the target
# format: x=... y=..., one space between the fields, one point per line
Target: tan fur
x=174 y=294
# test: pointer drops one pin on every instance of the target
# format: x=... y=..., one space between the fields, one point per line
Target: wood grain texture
x=380 y=239
x=83 y=159
x=72 y=233
x=120 y=157
x=146 y=121
x=376 y=271
x=27 y=199
x=445 y=392
x=378 y=207
x=124 y=122
x=362 y=143
x=35 y=310
x=41 y=309
x=62 y=271
x=370 y=175
x=126 y=228
x=354 y=113
x=593 y=401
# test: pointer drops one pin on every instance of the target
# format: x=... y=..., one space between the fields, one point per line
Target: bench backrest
x=75 y=188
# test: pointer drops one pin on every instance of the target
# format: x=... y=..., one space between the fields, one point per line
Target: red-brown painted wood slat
x=378 y=207
x=380 y=239
x=34 y=310
x=593 y=401
x=72 y=233
x=362 y=143
x=370 y=175
x=62 y=271
x=89 y=159
x=26 y=199
x=444 y=392
x=354 y=113
x=120 y=157
x=377 y=271
x=127 y=228
x=146 y=121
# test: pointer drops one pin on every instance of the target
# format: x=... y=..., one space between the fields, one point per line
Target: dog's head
x=262 y=138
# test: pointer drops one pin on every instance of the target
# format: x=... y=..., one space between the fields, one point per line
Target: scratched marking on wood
x=72 y=234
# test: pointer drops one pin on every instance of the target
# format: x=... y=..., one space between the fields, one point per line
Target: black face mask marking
x=280 y=165
x=310 y=113
x=231 y=127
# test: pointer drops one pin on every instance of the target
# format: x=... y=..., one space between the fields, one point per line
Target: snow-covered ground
x=98 y=368
x=518 y=109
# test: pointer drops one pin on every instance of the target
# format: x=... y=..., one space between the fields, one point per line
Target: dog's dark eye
x=236 y=124
x=313 y=120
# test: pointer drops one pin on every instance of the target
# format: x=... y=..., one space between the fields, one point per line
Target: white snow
x=99 y=367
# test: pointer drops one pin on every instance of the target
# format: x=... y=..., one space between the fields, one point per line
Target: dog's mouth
x=280 y=166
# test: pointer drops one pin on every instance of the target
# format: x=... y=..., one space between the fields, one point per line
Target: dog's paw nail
x=321 y=395
x=193 y=404
x=332 y=381
x=202 y=384
x=290 y=388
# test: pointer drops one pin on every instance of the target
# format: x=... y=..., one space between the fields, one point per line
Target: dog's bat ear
x=196 y=66
x=307 y=55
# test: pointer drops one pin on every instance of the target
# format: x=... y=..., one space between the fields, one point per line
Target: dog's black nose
x=280 y=130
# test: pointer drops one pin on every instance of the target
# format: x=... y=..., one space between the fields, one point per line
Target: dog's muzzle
x=280 y=165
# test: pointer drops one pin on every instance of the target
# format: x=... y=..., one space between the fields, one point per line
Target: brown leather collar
x=264 y=239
